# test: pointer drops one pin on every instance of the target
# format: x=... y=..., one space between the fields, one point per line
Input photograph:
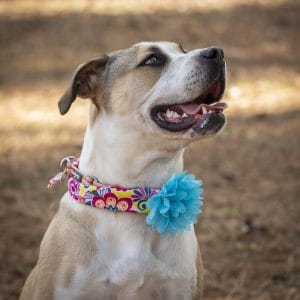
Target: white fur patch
x=133 y=262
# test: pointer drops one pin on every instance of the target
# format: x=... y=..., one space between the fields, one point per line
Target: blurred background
x=249 y=231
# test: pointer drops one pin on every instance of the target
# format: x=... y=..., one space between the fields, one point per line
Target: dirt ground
x=249 y=231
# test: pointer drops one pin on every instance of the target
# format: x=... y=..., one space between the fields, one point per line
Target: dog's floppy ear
x=84 y=83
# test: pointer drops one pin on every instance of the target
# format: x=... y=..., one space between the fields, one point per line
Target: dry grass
x=249 y=231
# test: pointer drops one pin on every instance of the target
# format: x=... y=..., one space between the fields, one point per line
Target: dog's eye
x=154 y=60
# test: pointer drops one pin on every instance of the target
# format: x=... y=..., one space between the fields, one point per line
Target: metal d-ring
x=65 y=161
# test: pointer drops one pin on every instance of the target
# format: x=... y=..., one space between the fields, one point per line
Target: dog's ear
x=84 y=82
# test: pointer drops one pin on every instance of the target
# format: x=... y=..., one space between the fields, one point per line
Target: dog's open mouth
x=180 y=117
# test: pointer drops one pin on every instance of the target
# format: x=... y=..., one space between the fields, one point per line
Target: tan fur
x=76 y=236
x=68 y=236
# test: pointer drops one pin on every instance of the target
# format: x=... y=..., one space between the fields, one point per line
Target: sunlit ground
x=124 y=7
x=249 y=231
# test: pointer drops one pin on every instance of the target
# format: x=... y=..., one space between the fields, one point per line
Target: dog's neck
x=119 y=155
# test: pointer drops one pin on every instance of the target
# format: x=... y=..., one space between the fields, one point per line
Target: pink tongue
x=192 y=109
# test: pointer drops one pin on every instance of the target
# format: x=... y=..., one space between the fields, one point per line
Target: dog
x=148 y=103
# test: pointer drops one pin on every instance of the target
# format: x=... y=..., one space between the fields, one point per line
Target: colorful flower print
x=98 y=202
x=124 y=204
x=143 y=194
x=110 y=199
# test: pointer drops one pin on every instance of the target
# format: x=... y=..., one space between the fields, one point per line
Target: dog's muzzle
x=203 y=113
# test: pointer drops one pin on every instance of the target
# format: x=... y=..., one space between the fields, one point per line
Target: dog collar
x=170 y=209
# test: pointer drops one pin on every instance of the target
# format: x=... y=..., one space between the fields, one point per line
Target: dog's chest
x=133 y=262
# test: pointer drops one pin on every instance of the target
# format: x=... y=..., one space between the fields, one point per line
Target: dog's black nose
x=212 y=53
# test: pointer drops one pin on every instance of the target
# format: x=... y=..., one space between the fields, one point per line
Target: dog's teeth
x=204 y=110
x=169 y=113
x=174 y=114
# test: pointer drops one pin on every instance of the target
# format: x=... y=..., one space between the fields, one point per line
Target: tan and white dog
x=148 y=103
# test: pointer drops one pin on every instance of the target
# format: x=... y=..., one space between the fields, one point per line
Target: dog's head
x=157 y=87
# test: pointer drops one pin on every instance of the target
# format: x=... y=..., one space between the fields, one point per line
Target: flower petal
x=176 y=206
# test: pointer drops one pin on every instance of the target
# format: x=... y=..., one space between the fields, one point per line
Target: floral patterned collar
x=170 y=209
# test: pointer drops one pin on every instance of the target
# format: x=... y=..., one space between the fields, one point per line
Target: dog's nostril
x=212 y=53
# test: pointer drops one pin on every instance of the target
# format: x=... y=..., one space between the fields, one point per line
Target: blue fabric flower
x=177 y=205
